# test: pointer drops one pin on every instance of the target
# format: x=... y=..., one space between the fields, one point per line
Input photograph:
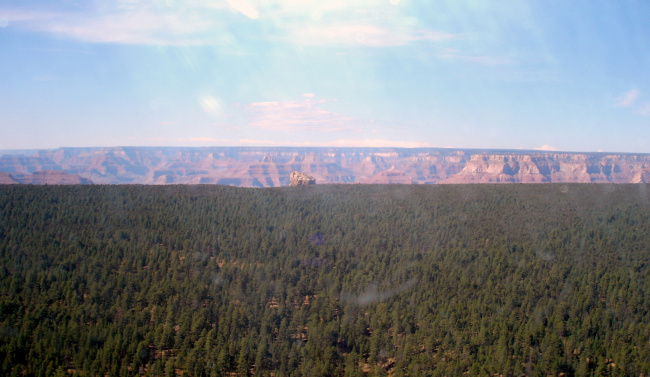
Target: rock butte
x=300 y=179
x=272 y=166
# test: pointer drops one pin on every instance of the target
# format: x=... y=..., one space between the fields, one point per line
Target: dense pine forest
x=353 y=280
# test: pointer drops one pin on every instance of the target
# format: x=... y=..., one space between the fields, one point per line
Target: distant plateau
x=272 y=166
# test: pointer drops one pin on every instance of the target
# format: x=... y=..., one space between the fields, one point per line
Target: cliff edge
x=273 y=166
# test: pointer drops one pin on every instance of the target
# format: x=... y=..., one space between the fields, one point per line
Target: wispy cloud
x=303 y=115
x=378 y=143
x=627 y=99
x=363 y=23
x=22 y=15
x=630 y=99
x=205 y=140
x=122 y=23
x=452 y=53
x=192 y=140
x=363 y=35
x=370 y=23
x=371 y=143
x=644 y=109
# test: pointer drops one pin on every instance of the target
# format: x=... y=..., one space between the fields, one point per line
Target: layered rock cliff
x=272 y=166
x=389 y=177
x=46 y=177
x=7 y=179
x=554 y=167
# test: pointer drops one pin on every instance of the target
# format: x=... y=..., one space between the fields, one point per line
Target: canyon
x=272 y=166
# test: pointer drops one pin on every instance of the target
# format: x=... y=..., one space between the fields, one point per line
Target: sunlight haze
x=547 y=75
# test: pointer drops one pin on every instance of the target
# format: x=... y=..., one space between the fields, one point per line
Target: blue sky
x=554 y=75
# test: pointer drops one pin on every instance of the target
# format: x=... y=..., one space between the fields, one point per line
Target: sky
x=548 y=74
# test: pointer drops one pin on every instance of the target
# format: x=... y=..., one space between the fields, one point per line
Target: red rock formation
x=52 y=177
x=268 y=167
x=7 y=179
x=553 y=167
x=497 y=168
x=389 y=177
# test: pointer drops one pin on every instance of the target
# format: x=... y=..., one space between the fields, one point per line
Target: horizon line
x=518 y=150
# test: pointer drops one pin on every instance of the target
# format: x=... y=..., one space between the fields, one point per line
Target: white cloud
x=546 y=147
x=627 y=99
x=245 y=8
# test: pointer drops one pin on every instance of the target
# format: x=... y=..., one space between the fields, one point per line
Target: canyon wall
x=272 y=166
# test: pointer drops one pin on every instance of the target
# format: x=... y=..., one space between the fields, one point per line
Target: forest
x=325 y=280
